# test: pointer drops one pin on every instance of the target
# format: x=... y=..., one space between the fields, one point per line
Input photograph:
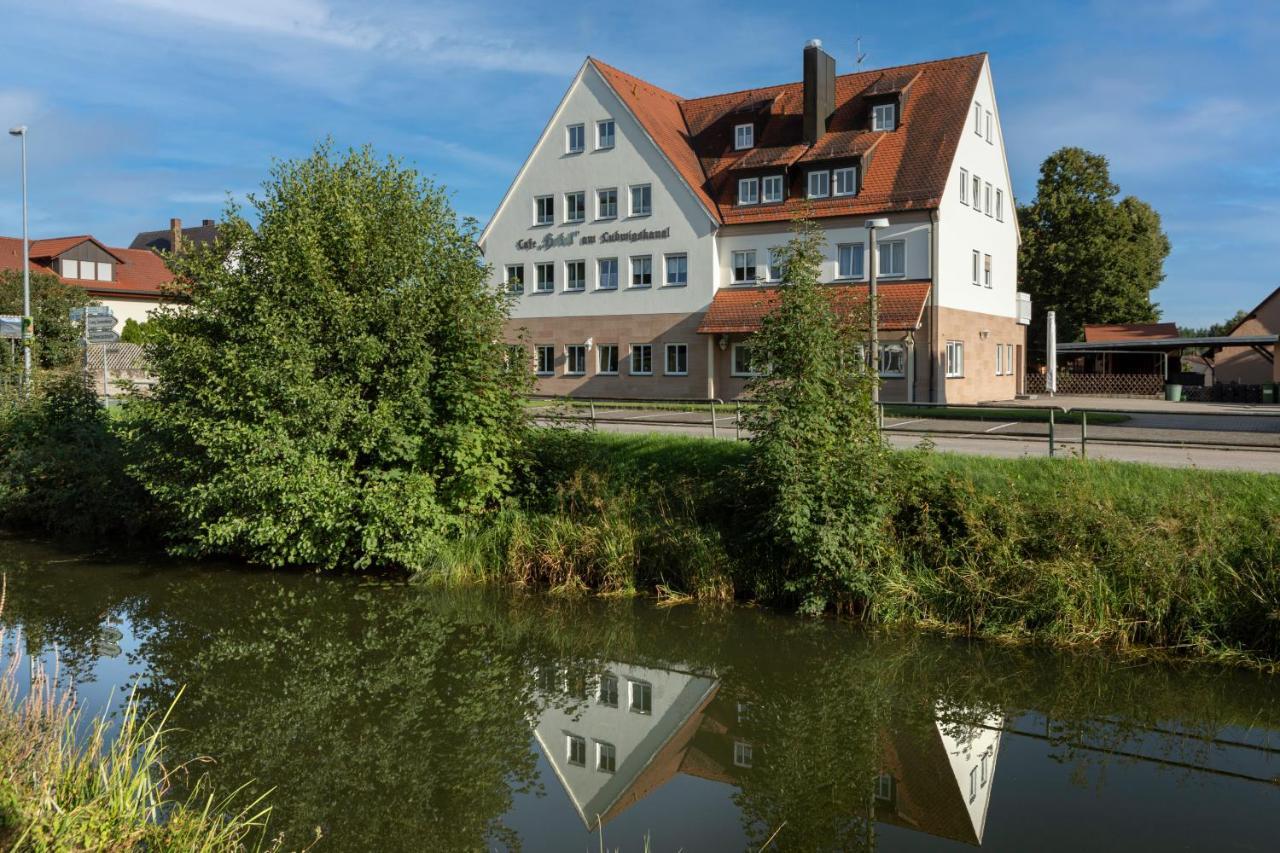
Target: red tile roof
x=740 y=309
x=139 y=273
x=1100 y=332
x=905 y=169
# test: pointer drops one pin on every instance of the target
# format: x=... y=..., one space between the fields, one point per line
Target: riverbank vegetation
x=65 y=785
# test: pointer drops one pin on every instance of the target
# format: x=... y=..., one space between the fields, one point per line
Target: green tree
x=134 y=332
x=1085 y=255
x=337 y=391
x=57 y=341
x=1216 y=330
x=818 y=463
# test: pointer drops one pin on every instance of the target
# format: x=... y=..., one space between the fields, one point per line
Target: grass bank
x=1061 y=550
x=61 y=789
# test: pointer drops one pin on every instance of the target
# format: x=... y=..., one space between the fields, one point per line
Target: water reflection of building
x=615 y=738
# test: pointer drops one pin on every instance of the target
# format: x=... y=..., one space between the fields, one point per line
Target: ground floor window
x=999 y=359
x=577 y=748
x=607 y=358
x=641 y=360
x=606 y=757
x=575 y=359
x=893 y=360
x=546 y=365
x=742 y=361
x=677 y=359
x=955 y=359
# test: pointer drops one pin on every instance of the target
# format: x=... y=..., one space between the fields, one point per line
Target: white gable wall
x=634 y=159
x=962 y=228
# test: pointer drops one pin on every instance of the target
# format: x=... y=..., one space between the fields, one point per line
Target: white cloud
x=310 y=20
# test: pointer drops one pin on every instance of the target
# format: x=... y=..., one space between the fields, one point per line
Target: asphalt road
x=1226 y=445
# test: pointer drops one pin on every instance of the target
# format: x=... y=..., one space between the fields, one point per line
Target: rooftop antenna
x=859 y=56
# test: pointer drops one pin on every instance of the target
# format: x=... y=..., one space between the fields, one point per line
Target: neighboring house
x=129 y=281
x=638 y=236
x=1251 y=365
x=176 y=236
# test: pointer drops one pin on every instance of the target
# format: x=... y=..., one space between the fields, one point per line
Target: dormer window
x=771 y=188
x=749 y=191
x=744 y=136
x=819 y=184
x=846 y=181
x=884 y=116
x=85 y=270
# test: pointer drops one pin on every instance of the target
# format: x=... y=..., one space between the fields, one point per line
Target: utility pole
x=873 y=309
x=21 y=132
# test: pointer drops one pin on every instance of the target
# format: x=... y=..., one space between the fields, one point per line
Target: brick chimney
x=175 y=235
x=819 y=90
x=206 y=222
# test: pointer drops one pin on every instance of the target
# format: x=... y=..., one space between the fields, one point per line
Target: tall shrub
x=57 y=341
x=336 y=392
x=818 y=463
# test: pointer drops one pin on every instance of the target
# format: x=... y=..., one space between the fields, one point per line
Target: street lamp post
x=873 y=309
x=21 y=132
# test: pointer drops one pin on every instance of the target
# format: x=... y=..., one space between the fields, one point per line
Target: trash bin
x=1173 y=392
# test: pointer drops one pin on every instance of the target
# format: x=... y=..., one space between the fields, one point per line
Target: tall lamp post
x=21 y=132
x=873 y=309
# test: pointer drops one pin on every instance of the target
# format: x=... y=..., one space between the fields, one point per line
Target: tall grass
x=1063 y=551
x=64 y=789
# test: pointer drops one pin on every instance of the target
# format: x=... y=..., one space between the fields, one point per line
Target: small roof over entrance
x=740 y=309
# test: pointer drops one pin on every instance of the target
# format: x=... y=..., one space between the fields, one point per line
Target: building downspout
x=935 y=395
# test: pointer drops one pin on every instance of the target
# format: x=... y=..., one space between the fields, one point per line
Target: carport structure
x=1268 y=346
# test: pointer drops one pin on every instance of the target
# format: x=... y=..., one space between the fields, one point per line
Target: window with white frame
x=608 y=690
x=1010 y=359
x=515 y=278
x=977 y=118
x=748 y=191
x=742 y=361
x=677 y=274
x=893 y=360
x=846 y=181
x=742 y=753
x=575 y=359
x=677 y=359
x=849 y=260
x=606 y=757
x=544 y=210
x=819 y=184
x=773 y=272
x=576 y=139
x=964 y=186
x=990 y=137
x=955 y=359
x=982 y=780
x=744 y=266
x=641 y=200
x=986 y=270
x=642 y=270
x=546 y=281
x=987 y=197
x=575 y=206
x=641 y=365
x=977 y=260
x=893 y=258
x=607 y=274
x=607 y=203
x=69 y=268
x=104 y=272
x=546 y=354
x=575 y=275
x=999 y=359
x=771 y=188
x=973 y=784
x=884 y=787
x=744 y=136
x=1000 y=205
x=604 y=133
x=977 y=194
x=641 y=701
x=607 y=359
x=884 y=116
x=577 y=750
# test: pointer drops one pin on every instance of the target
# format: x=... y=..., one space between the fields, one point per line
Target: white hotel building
x=639 y=233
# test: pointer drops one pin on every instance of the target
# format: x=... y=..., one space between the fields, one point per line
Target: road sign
x=103 y=336
x=100 y=323
x=77 y=314
x=10 y=326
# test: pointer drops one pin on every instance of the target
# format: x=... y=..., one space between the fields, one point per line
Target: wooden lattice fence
x=1101 y=384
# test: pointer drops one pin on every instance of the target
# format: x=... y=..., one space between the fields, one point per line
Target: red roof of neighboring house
x=740 y=309
x=905 y=169
x=1102 y=332
x=138 y=273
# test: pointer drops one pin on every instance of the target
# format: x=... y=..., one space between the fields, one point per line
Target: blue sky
x=145 y=109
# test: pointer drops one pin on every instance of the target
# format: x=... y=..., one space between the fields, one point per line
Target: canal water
x=404 y=717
